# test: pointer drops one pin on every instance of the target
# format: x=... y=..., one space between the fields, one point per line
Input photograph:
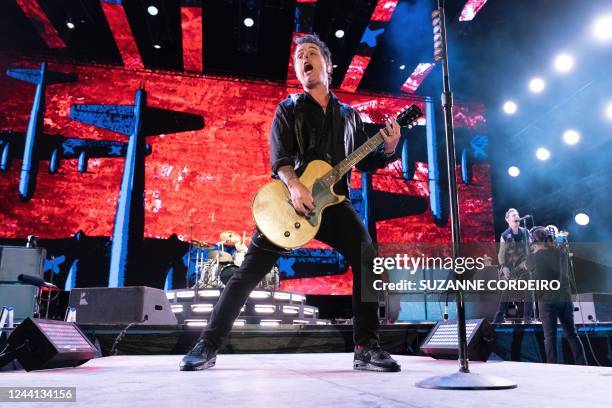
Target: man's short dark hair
x=314 y=39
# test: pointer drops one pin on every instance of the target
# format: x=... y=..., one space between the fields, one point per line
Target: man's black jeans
x=341 y=229
x=564 y=311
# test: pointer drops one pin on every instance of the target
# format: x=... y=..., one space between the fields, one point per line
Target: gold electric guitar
x=272 y=210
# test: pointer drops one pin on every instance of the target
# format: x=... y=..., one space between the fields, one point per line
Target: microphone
x=36 y=281
x=524 y=217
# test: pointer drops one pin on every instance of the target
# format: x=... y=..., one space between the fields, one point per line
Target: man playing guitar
x=514 y=246
x=313 y=125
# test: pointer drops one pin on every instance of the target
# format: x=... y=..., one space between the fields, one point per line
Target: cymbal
x=223 y=256
x=202 y=244
x=230 y=236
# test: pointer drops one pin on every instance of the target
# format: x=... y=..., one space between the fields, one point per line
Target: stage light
x=265 y=309
x=564 y=62
x=269 y=323
x=291 y=310
x=248 y=22
x=308 y=311
x=209 y=293
x=299 y=321
x=282 y=295
x=510 y=107
x=402 y=67
x=259 y=294
x=297 y=298
x=195 y=322
x=70 y=25
x=571 y=137
x=514 y=171
x=542 y=154
x=177 y=308
x=202 y=308
x=602 y=28
x=185 y=294
x=582 y=218
x=156 y=46
x=239 y=322
x=339 y=33
x=170 y=295
x=152 y=10
x=609 y=110
x=537 y=85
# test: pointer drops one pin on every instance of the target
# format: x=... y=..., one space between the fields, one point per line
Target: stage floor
x=310 y=380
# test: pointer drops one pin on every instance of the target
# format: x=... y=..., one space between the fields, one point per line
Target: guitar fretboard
x=340 y=169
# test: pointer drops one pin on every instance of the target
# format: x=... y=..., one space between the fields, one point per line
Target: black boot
x=374 y=359
x=202 y=356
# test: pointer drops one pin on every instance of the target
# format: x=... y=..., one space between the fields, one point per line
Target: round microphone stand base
x=466 y=381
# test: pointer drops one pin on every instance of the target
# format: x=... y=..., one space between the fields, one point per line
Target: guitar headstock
x=409 y=115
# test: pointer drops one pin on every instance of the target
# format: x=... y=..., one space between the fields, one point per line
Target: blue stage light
x=510 y=107
x=571 y=137
x=542 y=154
x=564 y=63
x=537 y=85
x=581 y=218
x=602 y=28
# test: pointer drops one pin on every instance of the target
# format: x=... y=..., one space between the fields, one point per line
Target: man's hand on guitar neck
x=301 y=197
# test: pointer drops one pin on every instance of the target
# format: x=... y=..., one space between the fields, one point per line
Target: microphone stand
x=532 y=299
x=464 y=379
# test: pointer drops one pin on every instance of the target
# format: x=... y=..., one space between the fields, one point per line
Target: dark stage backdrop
x=204 y=179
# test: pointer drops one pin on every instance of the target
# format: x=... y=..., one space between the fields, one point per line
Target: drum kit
x=215 y=264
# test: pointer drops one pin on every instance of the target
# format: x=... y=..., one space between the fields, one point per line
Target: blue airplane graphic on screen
x=34 y=146
x=135 y=121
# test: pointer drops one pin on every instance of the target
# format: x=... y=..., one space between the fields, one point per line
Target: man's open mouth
x=307 y=68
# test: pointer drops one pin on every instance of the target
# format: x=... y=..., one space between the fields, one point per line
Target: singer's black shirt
x=302 y=131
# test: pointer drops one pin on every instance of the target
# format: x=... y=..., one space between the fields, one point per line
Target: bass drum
x=226 y=273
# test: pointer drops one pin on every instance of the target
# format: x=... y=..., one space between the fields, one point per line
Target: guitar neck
x=340 y=169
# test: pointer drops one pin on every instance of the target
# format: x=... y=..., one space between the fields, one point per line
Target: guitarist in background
x=514 y=246
x=312 y=125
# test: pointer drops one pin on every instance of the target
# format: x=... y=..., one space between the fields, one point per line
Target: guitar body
x=277 y=219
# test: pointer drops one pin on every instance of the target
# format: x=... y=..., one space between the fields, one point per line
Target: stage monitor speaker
x=136 y=304
x=40 y=344
x=593 y=308
x=443 y=340
x=17 y=260
x=22 y=298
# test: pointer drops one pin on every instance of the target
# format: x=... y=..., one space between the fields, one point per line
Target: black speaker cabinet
x=136 y=304
x=443 y=339
x=50 y=344
x=17 y=260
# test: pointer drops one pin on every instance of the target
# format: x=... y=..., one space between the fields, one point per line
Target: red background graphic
x=205 y=179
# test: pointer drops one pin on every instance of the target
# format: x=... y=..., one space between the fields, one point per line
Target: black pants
x=564 y=311
x=341 y=229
